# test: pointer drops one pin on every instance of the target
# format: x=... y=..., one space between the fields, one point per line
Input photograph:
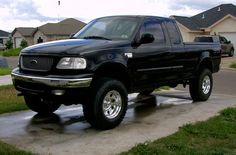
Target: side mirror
x=228 y=42
x=146 y=38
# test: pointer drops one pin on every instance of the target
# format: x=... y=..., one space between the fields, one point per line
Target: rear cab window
x=173 y=32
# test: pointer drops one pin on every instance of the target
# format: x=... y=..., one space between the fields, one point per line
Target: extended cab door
x=150 y=61
x=181 y=60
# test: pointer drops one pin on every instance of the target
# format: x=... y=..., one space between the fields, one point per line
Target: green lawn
x=5 y=71
x=6 y=149
x=163 y=88
x=233 y=65
x=217 y=136
x=9 y=101
x=11 y=52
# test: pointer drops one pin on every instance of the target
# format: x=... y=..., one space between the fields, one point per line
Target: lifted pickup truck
x=109 y=58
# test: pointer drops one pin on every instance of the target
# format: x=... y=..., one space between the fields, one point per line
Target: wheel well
x=206 y=64
x=116 y=71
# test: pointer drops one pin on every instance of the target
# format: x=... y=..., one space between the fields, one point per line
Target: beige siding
x=39 y=34
x=227 y=25
x=187 y=35
x=29 y=40
x=17 y=35
x=52 y=38
x=14 y=37
x=47 y=38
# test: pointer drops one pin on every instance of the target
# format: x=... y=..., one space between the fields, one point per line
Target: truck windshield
x=109 y=28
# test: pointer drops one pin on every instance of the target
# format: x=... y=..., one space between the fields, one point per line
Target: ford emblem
x=33 y=61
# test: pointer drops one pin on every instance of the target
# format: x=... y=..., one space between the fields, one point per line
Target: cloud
x=15 y=13
x=200 y=5
x=23 y=10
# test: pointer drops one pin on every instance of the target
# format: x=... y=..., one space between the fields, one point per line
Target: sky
x=34 y=13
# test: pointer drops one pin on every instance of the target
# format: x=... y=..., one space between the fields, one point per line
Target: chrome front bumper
x=59 y=82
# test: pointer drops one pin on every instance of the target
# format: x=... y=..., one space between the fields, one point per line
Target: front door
x=150 y=61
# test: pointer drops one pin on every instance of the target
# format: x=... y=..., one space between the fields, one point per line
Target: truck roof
x=141 y=16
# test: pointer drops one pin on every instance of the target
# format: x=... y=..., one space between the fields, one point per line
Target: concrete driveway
x=5 y=80
x=148 y=118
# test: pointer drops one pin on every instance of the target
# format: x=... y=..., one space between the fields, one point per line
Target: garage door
x=18 y=41
x=230 y=36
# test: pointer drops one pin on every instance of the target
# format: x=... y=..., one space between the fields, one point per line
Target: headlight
x=72 y=63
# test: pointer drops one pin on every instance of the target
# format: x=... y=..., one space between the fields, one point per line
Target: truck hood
x=74 y=46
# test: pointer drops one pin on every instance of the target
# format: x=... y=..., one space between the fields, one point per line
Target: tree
x=23 y=43
x=9 y=44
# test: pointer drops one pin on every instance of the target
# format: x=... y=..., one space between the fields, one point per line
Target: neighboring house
x=4 y=36
x=21 y=33
x=220 y=20
x=57 y=31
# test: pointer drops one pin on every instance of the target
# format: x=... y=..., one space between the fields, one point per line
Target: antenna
x=58 y=10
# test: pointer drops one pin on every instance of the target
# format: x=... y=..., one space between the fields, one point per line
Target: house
x=46 y=32
x=21 y=33
x=220 y=20
x=57 y=31
x=4 y=36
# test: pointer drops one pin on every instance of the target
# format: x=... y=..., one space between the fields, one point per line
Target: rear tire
x=200 y=88
x=107 y=106
x=231 y=53
x=41 y=105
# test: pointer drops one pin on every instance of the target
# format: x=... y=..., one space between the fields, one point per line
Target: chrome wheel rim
x=206 y=85
x=112 y=104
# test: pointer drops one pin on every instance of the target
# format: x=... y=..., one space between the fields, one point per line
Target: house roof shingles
x=65 y=27
x=211 y=16
x=4 y=33
x=25 y=31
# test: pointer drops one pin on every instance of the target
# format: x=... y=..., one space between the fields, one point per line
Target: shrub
x=9 y=44
x=23 y=43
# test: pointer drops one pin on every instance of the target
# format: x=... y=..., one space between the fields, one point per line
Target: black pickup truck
x=109 y=58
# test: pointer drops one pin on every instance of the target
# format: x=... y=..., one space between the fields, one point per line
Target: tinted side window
x=173 y=33
x=153 y=27
x=203 y=39
x=224 y=39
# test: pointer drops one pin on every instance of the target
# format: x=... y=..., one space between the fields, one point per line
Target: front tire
x=108 y=104
x=41 y=105
x=201 y=87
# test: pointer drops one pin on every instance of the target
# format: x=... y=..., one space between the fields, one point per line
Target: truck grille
x=36 y=63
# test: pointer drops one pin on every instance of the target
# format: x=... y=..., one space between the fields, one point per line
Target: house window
x=1 y=41
x=40 y=40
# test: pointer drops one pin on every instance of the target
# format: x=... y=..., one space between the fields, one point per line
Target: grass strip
x=4 y=71
x=233 y=65
x=11 y=52
x=217 y=136
x=9 y=101
x=6 y=149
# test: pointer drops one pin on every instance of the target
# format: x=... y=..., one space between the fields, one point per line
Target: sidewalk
x=5 y=80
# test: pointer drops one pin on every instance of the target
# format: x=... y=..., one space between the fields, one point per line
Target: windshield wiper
x=96 y=37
